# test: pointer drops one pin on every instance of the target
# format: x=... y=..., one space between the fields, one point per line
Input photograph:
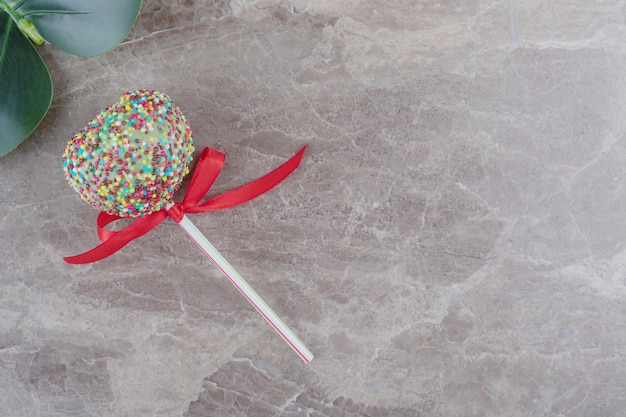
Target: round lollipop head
x=130 y=159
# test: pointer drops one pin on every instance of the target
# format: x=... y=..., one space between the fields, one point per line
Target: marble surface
x=454 y=243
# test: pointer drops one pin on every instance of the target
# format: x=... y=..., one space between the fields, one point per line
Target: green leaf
x=82 y=27
x=25 y=86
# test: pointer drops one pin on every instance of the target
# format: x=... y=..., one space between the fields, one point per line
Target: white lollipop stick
x=246 y=290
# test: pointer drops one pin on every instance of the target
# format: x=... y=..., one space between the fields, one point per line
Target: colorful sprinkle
x=132 y=157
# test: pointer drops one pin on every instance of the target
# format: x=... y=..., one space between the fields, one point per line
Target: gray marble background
x=452 y=245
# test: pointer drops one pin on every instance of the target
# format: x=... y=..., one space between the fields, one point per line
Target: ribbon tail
x=251 y=190
x=117 y=240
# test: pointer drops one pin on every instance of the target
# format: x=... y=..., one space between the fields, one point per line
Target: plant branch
x=5 y=7
x=26 y=27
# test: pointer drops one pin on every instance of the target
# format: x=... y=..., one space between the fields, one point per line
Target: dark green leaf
x=25 y=86
x=82 y=27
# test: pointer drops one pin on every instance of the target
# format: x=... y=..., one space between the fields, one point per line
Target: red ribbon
x=208 y=168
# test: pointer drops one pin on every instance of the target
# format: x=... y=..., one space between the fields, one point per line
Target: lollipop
x=129 y=161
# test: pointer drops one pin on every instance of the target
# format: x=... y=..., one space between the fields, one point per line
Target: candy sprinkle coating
x=132 y=157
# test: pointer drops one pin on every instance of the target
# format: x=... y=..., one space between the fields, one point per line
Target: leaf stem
x=25 y=26
x=4 y=6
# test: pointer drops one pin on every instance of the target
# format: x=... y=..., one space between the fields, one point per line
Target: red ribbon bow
x=208 y=168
